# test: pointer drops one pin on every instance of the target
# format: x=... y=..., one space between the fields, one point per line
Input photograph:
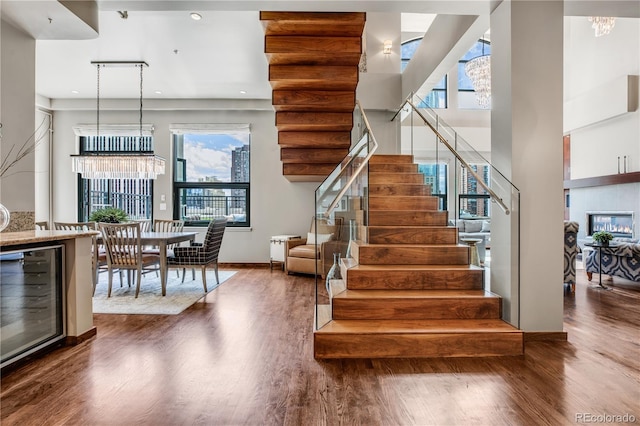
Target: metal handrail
x=493 y=195
x=353 y=177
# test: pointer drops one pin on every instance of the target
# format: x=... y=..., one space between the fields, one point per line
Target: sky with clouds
x=210 y=155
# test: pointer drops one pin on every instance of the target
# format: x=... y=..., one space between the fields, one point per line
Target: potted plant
x=109 y=215
x=602 y=237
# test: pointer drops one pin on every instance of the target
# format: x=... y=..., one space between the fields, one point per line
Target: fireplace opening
x=620 y=224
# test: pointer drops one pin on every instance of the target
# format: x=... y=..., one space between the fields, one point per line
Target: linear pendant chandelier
x=105 y=165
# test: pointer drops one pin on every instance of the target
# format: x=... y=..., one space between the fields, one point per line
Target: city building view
x=212 y=177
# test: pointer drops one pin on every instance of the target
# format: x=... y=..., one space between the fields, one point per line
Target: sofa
x=479 y=229
x=571 y=250
x=623 y=260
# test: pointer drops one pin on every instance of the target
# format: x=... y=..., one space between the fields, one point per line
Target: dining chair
x=124 y=251
x=164 y=225
x=201 y=255
x=145 y=224
x=99 y=257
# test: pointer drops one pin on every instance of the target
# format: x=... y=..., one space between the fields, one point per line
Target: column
x=526 y=145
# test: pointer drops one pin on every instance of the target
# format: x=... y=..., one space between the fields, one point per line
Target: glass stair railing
x=481 y=201
x=341 y=214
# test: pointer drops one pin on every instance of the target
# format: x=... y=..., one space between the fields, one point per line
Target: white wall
x=380 y=87
x=17 y=115
x=593 y=62
x=277 y=205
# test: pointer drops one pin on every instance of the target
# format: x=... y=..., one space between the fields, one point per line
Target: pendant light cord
x=141 y=66
x=98 y=104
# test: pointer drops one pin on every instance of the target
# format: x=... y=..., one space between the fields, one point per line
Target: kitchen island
x=46 y=290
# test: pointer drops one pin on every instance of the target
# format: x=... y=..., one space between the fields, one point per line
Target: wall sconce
x=386 y=47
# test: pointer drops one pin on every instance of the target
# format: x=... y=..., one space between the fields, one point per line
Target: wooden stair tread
x=391 y=159
x=418 y=326
x=416 y=227
x=415 y=268
x=408 y=246
x=415 y=294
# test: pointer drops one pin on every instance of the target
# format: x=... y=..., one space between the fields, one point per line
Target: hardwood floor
x=243 y=355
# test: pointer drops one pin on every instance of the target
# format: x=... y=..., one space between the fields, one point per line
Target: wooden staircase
x=313 y=70
x=411 y=291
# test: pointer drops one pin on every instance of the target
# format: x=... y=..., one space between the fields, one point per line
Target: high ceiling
x=219 y=56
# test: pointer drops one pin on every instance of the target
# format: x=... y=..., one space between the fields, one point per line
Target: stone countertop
x=28 y=237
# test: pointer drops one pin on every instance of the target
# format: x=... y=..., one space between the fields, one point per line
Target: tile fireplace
x=620 y=224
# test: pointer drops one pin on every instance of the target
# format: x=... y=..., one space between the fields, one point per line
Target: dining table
x=162 y=240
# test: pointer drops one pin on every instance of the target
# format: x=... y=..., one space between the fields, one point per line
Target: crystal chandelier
x=135 y=165
x=602 y=24
x=479 y=72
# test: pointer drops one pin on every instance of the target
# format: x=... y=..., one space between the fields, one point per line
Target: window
x=134 y=196
x=435 y=175
x=211 y=175
x=466 y=94
x=474 y=199
x=437 y=98
x=407 y=50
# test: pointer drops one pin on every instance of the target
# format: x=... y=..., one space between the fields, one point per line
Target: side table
x=474 y=258
x=277 y=249
x=599 y=248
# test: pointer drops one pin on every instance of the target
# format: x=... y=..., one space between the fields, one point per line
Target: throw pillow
x=472 y=225
x=322 y=238
x=486 y=226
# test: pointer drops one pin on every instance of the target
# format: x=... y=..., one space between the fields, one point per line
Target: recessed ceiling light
x=243 y=92
x=75 y=92
x=196 y=16
x=158 y=92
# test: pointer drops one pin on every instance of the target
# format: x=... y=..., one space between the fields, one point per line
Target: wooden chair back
x=161 y=225
x=122 y=243
x=74 y=226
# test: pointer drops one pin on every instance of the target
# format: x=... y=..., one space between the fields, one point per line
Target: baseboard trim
x=536 y=336
x=243 y=265
x=76 y=340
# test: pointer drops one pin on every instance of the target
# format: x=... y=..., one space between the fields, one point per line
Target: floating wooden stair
x=313 y=70
x=411 y=291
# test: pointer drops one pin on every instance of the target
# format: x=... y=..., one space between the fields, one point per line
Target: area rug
x=150 y=300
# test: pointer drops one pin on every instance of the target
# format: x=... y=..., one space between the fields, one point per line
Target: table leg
x=600 y=268
x=163 y=266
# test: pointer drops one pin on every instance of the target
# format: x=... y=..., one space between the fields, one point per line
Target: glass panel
x=464 y=83
x=407 y=50
x=212 y=157
x=134 y=196
x=31 y=314
x=341 y=211
x=212 y=176
x=474 y=193
x=199 y=205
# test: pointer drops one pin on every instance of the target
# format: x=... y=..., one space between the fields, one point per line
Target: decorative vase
x=334 y=273
x=4 y=217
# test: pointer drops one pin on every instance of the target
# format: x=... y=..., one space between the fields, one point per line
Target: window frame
x=179 y=186
x=83 y=185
